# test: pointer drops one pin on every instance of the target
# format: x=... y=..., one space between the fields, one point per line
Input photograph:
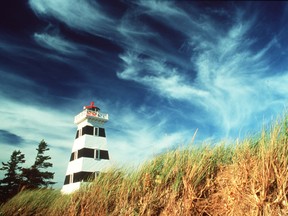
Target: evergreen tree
x=35 y=177
x=11 y=183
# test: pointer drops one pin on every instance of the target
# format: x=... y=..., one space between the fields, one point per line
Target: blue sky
x=160 y=69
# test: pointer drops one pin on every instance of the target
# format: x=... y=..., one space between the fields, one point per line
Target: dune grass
x=249 y=177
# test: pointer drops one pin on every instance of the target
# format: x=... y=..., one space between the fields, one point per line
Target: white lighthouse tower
x=89 y=154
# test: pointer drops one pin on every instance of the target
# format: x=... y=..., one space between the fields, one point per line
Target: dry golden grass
x=247 y=178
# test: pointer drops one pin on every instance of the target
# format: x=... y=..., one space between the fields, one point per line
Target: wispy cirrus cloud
x=231 y=75
x=57 y=43
x=137 y=134
x=165 y=80
x=87 y=16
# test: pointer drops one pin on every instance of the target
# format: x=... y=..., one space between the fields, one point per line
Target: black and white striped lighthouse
x=89 y=154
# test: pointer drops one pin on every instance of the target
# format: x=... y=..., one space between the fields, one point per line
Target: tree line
x=17 y=178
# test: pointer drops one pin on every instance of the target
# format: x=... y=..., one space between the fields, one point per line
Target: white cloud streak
x=87 y=16
x=136 y=135
x=56 y=42
x=165 y=80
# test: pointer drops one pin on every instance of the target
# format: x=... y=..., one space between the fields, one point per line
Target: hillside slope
x=247 y=178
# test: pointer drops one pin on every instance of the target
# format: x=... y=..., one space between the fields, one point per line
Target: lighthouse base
x=70 y=188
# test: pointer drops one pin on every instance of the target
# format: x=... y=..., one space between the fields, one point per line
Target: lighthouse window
x=83 y=176
x=67 y=178
x=101 y=154
x=77 y=134
x=102 y=132
x=88 y=130
x=104 y=154
x=72 y=156
x=86 y=152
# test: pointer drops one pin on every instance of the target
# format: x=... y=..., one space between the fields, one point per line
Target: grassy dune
x=245 y=178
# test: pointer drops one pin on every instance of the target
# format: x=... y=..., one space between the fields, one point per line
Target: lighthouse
x=89 y=154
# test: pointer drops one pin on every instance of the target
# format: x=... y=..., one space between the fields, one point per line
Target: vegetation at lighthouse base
x=248 y=177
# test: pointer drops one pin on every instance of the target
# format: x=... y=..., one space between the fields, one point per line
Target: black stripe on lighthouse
x=90 y=153
x=90 y=130
x=80 y=176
